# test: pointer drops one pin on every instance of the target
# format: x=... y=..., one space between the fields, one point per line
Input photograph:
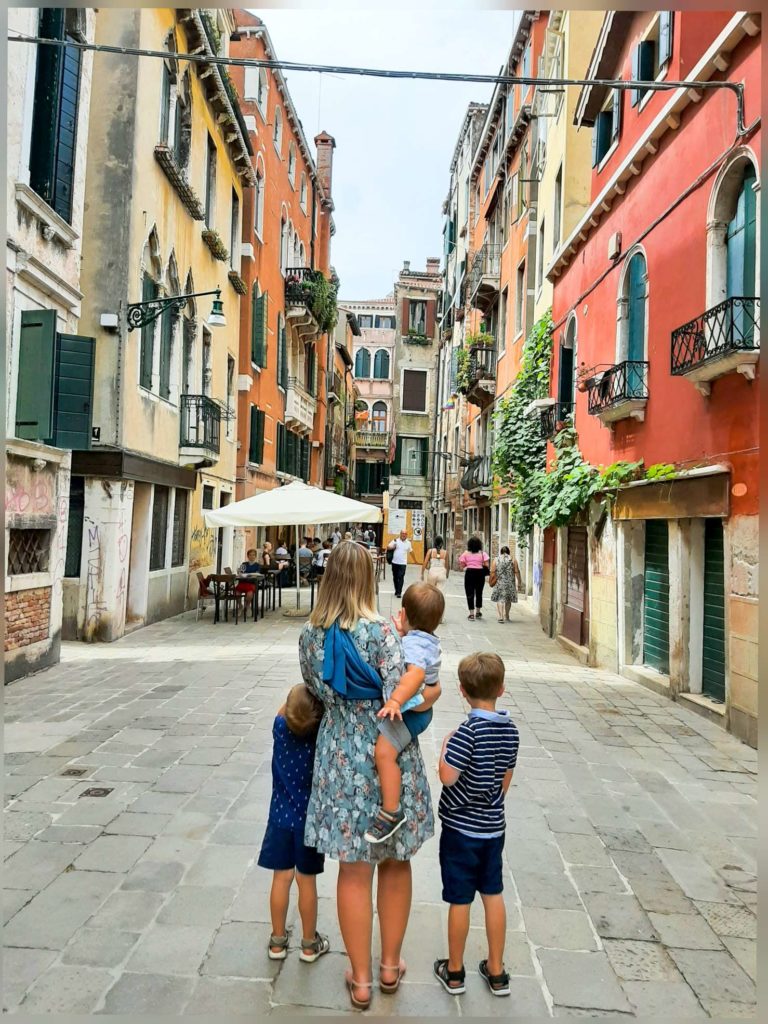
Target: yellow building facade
x=163 y=219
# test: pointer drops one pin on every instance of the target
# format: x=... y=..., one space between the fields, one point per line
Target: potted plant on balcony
x=463 y=371
x=481 y=340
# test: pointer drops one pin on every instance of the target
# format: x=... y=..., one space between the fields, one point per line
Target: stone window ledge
x=54 y=226
x=29 y=581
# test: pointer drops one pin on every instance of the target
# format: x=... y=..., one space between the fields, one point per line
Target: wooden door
x=576 y=607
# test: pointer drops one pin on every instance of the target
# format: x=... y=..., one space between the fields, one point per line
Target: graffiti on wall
x=37 y=496
x=95 y=605
x=202 y=548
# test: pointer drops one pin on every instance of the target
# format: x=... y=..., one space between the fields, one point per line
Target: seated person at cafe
x=282 y=550
x=305 y=555
x=248 y=566
x=320 y=557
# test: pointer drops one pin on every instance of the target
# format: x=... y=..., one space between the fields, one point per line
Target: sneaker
x=384 y=826
x=497 y=983
x=311 y=951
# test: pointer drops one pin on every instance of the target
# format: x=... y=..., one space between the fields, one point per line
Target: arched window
x=258 y=199
x=565 y=375
x=263 y=88
x=363 y=363
x=189 y=333
x=303 y=193
x=633 y=302
x=292 y=164
x=381 y=365
x=302 y=255
x=733 y=241
x=277 y=136
x=379 y=418
x=296 y=251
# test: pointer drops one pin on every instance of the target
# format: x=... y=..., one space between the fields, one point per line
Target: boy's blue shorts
x=469 y=866
x=284 y=848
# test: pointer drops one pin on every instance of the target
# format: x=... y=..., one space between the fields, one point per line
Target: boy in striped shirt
x=476 y=765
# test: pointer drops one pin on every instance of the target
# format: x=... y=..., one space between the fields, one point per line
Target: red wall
x=681 y=426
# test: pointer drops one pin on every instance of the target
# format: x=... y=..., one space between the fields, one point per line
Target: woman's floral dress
x=505 y=589
x=345 y=788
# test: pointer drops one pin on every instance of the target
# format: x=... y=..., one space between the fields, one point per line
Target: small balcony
x=413 y=337
x=200 y=436
x=377 y=439
x=300 y=407
x=554 y=417
x=619 y=393
x=335 y=388
x=477 y=478
x=299 y=296
x=723 y=340
x=481 y=388
x=484 y=274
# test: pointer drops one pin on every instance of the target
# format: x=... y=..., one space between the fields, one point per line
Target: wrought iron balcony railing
x=482 y=362
x=485 y=267
x=297 y=282
x=477 y=476
x=624 y=382
x=729 y=328
x=554 y=417
x=200 y=423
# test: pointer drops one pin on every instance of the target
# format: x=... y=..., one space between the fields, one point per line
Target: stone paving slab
x=630 y=856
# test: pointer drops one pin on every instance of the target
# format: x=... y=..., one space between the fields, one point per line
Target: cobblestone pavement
x=630 y=852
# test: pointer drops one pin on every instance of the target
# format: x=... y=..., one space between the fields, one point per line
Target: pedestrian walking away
x=436 y=564
x=504 y=579
x=345 y=786
x=401 y=548
x=474 y=563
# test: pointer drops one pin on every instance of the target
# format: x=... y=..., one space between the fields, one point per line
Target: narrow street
x=631 y=842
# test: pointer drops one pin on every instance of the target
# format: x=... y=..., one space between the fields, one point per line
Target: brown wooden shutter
x=414 y=391
x=404 y=316
x=430 y=319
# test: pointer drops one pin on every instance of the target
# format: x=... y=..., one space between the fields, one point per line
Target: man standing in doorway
x=402 y=548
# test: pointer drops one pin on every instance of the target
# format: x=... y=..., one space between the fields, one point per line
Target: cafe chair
x=204 y=593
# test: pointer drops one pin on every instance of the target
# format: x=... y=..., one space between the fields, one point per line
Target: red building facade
x=656 y=313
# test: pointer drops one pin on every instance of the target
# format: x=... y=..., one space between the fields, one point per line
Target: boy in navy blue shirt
x=294 y=734
x=476 y=765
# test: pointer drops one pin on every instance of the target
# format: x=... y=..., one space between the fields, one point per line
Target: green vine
x=463 y=380
x=321 y=300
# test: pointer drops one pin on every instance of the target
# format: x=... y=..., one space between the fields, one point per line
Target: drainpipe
x=312 y=227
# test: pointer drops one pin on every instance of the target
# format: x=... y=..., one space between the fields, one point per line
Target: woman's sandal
x=471 y=616
x=391 y=987
x=280 y=943
x=445 y=977
x=358 y=1004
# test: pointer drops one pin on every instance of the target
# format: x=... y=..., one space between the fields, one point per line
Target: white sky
x=394 y=139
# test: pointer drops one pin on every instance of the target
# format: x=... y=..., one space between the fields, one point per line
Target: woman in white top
x=436 y=564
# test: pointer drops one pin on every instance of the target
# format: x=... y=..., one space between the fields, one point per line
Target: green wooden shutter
x=565 y=375
x=259 y=307
x=260 y=435
x=616 y=114
x=148 y=292
x=398 y=457
x=713 y=661
x=454 y=370
x=66 y=134
x=73 y=396
x=424 y=456
x=656 y=595
x=50 y=60
x=666 y=19
x=636 y=311
x=73 y=557
x=643 y=59
x=282 y=360
x=37 y=368
x=166 y=344
x=253 y=436
x=280 y=454
x=305 y=457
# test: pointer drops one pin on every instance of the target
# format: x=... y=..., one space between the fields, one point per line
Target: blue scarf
x=346 y=671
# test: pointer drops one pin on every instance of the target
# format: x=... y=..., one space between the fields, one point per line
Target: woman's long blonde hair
x=347 y=593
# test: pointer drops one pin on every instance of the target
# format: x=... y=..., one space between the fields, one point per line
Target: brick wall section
x=27 y=617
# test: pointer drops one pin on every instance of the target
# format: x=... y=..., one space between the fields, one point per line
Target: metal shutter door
x=713 y=664
x=656 y=595
x=575 y=609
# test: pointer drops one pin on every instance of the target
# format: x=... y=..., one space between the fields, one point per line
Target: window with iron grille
x=28 y=551
x=179 y=527
x=159 y=528
x=208 y=492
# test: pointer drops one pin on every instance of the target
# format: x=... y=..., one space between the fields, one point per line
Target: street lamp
x=142 y=313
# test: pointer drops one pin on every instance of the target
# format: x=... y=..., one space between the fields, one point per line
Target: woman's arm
x=426 y=562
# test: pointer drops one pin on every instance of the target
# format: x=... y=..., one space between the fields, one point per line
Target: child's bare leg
x=458 y=929
x=389 y=774
x=279 y=895
x=307 y=885
x=495 y=929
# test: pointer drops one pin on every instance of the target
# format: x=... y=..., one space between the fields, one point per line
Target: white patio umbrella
x=294 y=504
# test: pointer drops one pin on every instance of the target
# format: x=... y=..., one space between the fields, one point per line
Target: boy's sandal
x=313 y=950
x=445 y=977
x=280 y=944
x=391 y=987
x=497 y=983
x=358 y=1004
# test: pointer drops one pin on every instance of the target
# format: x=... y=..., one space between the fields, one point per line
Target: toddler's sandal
x=445 y=977
x=278 y=947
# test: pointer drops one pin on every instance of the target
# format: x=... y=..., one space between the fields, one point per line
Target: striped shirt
x=483 y=749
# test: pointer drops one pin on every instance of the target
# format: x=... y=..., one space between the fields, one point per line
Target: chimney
x=325 y=144
x=406 y=266
x=433 y=264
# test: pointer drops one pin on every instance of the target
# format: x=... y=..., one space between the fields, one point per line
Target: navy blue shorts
x=283 y=849
x=469 y=866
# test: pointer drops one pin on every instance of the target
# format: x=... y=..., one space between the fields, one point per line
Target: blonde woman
x=345 y=786
x=436 y=564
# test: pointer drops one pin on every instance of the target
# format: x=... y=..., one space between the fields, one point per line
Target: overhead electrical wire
x=433 y=76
